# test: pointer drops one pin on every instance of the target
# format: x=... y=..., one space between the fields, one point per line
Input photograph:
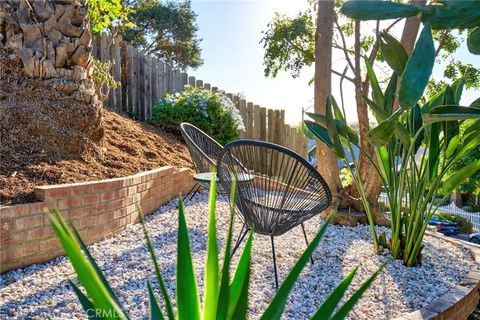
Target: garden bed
x=129 y=147
x=39 y=291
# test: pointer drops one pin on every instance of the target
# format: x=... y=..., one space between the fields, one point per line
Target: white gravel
x=41 y=291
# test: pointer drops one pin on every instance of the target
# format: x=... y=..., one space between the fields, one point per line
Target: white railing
x=473 y=217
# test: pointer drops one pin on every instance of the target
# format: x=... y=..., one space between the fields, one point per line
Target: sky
x=233 y=57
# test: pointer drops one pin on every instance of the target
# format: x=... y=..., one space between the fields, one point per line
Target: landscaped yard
x=131 y=189
x=42 y=291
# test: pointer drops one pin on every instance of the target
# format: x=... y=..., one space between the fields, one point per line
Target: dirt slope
x=129 y=147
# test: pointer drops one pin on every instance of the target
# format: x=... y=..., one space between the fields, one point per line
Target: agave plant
x=439 y=125
x=224 y=298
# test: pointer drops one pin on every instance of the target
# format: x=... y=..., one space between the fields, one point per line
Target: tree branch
x=345 y=51
x=343 y=75
x=441 y=43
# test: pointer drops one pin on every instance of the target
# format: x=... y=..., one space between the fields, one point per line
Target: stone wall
x=97 y=209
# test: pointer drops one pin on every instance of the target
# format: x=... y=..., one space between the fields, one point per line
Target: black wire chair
x=204 y=151
x=283 y=190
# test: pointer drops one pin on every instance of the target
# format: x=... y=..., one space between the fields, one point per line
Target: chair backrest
x=276 y=188
x=203 y=148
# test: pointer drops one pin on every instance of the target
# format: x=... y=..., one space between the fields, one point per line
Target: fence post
x=242 y=107
x=191 y=81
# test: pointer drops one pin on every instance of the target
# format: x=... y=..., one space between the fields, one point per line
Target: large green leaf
x=224 y=295
x=155 y=311
x=381 y=134
x=320 y=132
x=275 y=308
x=393 y=52
x=188 y=302
x=161 y=282
x=414 y=124
x=473 y=41
x=377 y=93
x=211 y=267
x=87 y=305
x=379 y=113
x=433 y=150
x=328 y=307
x=95 y=266
x=459 y=176
x=343 y=129
x=238 y=302
x=450 y=113
x=348 y=306
x=377 y=10
x=418 y=70
x=457 y=88
x=390 y=93
x=86 y=273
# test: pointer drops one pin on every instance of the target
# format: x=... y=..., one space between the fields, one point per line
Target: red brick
x=82 y=188
x=105 y=217
x=72 y=202
x=39 y=233
x=108 y=196
x=49 y=244
x=79 y=212
x=122 y=212
x=50 y=192
x=90 y=198
x=12 y=239
x=86 y=222
x=31 y=247
x=38 y=207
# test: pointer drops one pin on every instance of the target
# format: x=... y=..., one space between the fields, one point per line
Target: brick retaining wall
x=97 y=209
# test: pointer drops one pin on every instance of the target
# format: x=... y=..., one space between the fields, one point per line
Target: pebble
x=42 y=291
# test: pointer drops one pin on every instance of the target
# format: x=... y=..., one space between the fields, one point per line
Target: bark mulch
x=129 y=147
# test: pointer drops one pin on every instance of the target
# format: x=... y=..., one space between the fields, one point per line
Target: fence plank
x=256 y=122
x=161 y=79
x=249 y=125
x=263 y=124
x=271 y=126
x=199 y=83
x=177 y=80
x=116 y=73
x=126 y=71
x=207 y=86
x=134 y=84
x=184 y=77
x=168 y=77
x=148 y=87
x=141 y=86
x=242 y=107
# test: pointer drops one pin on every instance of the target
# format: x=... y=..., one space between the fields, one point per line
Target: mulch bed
x=129 y=147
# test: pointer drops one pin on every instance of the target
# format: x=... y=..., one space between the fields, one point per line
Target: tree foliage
x=167 y=30
x=108 y=15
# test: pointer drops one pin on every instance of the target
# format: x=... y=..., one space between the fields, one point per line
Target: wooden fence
x=143 y=80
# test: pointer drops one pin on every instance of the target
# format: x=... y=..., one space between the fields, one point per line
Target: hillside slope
x=129 y=147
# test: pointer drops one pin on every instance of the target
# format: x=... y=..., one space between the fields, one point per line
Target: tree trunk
x=47 y=96
x=326 y=161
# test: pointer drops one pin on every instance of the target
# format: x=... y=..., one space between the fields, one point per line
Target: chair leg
x=306 y=240
x=191 y=190
x=195 y=192
x=274 y=263
x=240 y=238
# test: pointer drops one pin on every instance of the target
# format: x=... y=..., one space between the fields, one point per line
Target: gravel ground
x=42 y=291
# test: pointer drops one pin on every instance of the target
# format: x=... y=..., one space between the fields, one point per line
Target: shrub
x=212 y=112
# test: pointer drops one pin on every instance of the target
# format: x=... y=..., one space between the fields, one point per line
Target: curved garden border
x=97 y=209
x=458 y=303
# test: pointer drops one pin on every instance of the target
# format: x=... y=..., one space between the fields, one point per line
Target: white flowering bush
x=213 y=112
